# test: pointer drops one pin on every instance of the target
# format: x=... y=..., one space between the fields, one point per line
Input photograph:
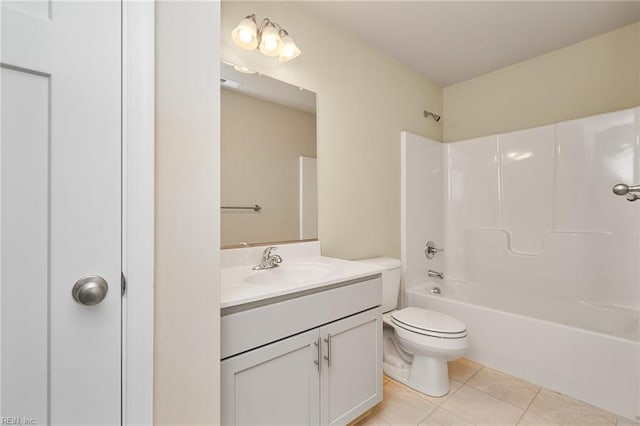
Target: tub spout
x=435 y=274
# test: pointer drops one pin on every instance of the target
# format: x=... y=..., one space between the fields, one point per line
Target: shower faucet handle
x=430 y=250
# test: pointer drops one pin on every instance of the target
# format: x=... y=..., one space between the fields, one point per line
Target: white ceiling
x=452 y=41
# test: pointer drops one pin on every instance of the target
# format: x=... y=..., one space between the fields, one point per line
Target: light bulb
x=288 y=50
x=245 y=34
x=270 y=41
x=271 y=44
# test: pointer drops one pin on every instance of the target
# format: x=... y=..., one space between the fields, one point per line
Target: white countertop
x=235 y=291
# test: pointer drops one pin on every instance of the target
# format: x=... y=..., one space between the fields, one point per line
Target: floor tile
x=442 y=417
x=385 y=379
x=400 y=406
x=563 y=410
x=453 y=386
x=372 y=420
x=462 y=369
x=481 y=409
x=504 y=387
x=532 y=420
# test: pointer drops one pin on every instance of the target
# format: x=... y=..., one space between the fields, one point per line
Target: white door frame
x=138 y=155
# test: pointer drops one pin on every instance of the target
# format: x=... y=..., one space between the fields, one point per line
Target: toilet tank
x=390 y=280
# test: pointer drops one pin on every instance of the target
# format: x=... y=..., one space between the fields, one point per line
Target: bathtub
x=588 y=351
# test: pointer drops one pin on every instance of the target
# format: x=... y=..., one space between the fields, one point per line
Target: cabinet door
x=277 y=384
x=351 y=376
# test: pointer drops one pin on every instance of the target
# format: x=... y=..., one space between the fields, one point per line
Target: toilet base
x=407 y=363
x=425 y=380
x=399 y=374
x=429 y=375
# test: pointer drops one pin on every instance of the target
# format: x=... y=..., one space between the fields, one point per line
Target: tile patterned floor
x=482 y=396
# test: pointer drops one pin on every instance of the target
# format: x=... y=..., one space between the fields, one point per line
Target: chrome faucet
x=430 y=250
x=435 y=274
x=268 y=261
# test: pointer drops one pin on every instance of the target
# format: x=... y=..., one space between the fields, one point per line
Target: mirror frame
x=275 y=242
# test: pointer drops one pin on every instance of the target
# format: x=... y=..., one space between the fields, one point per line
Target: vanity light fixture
x=270 y=38
x=238 y=68
x=243 y=70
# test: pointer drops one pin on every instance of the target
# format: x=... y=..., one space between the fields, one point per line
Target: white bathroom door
x=60 y=212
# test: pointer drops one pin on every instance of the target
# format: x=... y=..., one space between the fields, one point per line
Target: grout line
x=499 y=399
x=451 y=393
x=505 y=401
x=474 y=374
x=531 y=402
x=455 y=415
x=428 y=415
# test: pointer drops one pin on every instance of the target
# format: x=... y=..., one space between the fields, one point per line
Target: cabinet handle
x=318 y=353
x=328 y=357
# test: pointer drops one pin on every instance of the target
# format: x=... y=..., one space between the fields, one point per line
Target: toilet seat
x=429 y=323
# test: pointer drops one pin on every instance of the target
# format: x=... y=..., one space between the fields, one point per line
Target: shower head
x=432 y=115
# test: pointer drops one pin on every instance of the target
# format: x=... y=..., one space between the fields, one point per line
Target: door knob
x=90 y=290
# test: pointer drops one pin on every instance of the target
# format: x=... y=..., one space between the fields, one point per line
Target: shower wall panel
x=532 y=212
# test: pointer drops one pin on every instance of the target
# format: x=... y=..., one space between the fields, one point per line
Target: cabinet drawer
x=257 y=326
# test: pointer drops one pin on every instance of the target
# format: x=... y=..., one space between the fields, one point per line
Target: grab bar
x=255 y=208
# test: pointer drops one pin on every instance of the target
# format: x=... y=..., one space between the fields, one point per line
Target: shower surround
x=531 y=228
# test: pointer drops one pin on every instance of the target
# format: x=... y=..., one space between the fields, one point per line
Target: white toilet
x=417 y=342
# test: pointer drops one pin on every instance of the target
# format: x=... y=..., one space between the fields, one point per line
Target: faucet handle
x=267 y=252
x=430 y=250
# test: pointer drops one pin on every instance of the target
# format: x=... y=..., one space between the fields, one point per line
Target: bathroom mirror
x=268 y=160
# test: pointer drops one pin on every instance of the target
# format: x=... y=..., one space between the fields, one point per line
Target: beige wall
x=187 y=214
x=261 y=143
x=598 y=75
x=365 y=98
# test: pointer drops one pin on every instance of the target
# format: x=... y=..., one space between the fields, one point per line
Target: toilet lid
x=429 y=321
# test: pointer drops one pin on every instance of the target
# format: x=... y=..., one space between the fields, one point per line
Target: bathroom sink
x=290 y=274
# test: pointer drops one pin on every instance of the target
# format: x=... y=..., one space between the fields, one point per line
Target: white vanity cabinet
x=277 y=384
x=351 y=373
x=329 y=373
